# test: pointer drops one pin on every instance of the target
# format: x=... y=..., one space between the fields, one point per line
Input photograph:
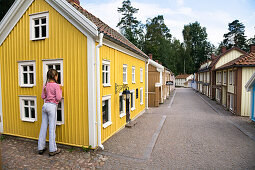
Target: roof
x=182 y=76
x=242 y=61
x=249 y=85
x=109 y=33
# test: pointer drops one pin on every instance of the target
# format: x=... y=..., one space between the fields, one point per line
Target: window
x=230 y=77
x=121 y=105
x=124 y=74
x=133 y=74
x=106 y=111
x=39 y=26
x=218 y=95
x=27 y=74
x=106 y=73
x=141 y=96
x=58 y=65
x=28 y=110
x=231 y=102
x=132 y=98
x=225 y=77
x=141 y=75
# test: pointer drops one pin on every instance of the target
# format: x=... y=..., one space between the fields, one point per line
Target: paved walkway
x=183 y=133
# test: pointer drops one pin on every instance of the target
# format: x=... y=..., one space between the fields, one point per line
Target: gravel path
x=193 y=136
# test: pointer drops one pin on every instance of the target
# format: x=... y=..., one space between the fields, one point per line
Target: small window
x=60 y=112
x=141 y=96
x=133 y=74
x=27 y=74
x=106 y=111
x=39 y=26
x=132 y=98
x=106 y=73
x=121 y=105
x=28 y=109
x=231 y=102
x=230 y=77
x=224 y=77
x=124 y=74
x=141 y=75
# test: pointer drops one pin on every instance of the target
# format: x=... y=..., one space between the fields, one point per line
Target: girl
x=51 y=94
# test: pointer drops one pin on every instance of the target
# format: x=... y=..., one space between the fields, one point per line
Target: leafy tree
x=197 y=48
x=235 y=36
x=157 y=38
x=4 y=7
x=130 y=27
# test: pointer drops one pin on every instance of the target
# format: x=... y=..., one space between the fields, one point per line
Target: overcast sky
x=212 y=14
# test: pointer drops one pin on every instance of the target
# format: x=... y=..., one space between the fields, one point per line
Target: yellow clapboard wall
x=117 y=59
x=64 y=42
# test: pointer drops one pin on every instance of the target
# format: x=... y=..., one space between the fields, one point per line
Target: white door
x=1 y=113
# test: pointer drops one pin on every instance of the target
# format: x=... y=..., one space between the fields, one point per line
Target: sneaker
x=54 y=153
x=41 y=151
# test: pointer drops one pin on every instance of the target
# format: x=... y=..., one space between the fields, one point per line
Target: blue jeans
x=49 y=115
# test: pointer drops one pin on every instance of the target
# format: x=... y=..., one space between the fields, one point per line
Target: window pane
x=57 y=67
x=37 y=34
x=105 y=111
x=103 y=77
x=43 y=20
x=31 y=76
x=32 y=112
x=44 y=31
x=37 y=22
x=106 y=77
x=50 y=66
x=25 y=78
x=32 y=103
x=103 y=67
x=24 y=68
x=59 y=115
x=26 y=112
x=31 y=68
x=121 y=103
x=132 y=102
x=26 y=102
x=59 y=78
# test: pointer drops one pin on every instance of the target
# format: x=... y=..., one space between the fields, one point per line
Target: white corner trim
x=75 y=17
x=1 y=111
x=92 y=121
x=12 y=17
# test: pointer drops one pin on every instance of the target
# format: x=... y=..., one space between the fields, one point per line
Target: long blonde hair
x=51 y=76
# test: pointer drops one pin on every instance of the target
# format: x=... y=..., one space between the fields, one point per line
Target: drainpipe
x=101 y=35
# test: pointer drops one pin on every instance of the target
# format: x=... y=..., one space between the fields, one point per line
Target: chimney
x=75 y=1
x=223 y=49
x=150 y=56
x=156 y=61
x=252 y=48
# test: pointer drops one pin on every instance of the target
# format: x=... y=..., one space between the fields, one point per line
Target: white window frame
x=20 y=70
x=32 y=25
x=230 y=77
x=141 y=75
x=106 y=63
x=224 y=77
x=133 y=74
x=141 y=96
x=231 y=102
x=53 y=62
x=125 y=81
x=104 y=98
x=45 y=70
x=132 y=98
x=123 y=112
x=22 y=104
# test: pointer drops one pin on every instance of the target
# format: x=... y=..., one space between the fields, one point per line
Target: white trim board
x=1 y=111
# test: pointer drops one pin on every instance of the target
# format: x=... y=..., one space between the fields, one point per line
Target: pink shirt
x=53 y=93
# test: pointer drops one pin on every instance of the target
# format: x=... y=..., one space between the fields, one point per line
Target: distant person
x=52 y=94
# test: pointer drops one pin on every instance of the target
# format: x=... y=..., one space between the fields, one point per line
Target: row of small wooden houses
x=224 y=78
x=107 y=81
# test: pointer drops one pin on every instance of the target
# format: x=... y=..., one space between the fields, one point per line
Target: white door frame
x=1 y=112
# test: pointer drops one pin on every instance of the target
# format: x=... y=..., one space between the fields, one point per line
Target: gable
x=228 y=57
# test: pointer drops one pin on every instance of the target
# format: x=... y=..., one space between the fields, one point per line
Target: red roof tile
x=109 y=33
x=242 y=61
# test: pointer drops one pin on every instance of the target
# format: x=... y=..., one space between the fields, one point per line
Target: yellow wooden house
x=95 y=63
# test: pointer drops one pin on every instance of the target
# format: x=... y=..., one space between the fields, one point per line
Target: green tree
x=130 y=27
x=157 y=38
x=235 y=36
x=4 y=7
x=197 y=48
